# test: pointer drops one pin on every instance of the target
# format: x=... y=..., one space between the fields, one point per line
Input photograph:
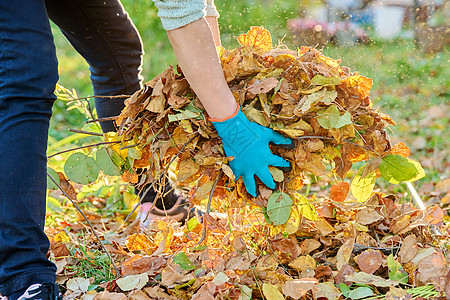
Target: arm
x=194 y=45
x=196 y=53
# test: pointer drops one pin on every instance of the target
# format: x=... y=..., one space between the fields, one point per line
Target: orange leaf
x=139 y=242
x=401 y=149
x=339 y=191
x=257 y=39
x=359 y=85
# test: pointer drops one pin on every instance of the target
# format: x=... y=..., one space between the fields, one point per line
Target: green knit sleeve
x=178 y=13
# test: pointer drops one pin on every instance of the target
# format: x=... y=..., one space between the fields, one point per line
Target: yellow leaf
x=130 y=199
x=271 y=292
x=138 y=242
x=362 y=187
x=292 y=133
x=186 y=169
x=256 y=39
x=303 y=263
x=305 y=208
x=294 y=221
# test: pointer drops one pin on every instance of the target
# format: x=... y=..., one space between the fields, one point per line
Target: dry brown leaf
x=323 y=226
x=432 y=266
x=138 y=295
x=157 y=292
x=368 y=216
x=409 y=249
x=344 y=253
x=397 y=294
x=309 y=245
x=326 y=290
x=339 y=191
x=369 y=261
x=298 y=288
x=105 y=295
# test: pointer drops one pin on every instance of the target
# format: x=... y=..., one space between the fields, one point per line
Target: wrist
x=226 y=118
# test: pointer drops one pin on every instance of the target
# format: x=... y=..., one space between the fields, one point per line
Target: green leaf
x=279 y=208
x=54 y=205
x=191 y=224
x=105 y=163
x=81 y=168
x=183 y=115
x=322 y=80
x=396 y=271
x=311 y=99
x=331 y=118
x=255 y=115
x=360 y=293
x=183 y=261
x=396 y=168
x=134 y=153
x=345 y=290
x=362 y=187
x=329 y=96
x=50 y=184
x=191 y=107
x=277 y=174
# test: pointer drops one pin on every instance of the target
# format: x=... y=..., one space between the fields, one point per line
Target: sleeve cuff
x=178 y=13
x=210 y=9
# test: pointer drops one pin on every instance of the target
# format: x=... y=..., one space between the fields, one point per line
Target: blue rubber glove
x=248 y=143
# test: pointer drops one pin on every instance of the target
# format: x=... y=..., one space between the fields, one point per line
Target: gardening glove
x=248 y=143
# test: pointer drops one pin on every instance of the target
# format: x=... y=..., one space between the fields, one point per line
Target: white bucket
x=388 y=21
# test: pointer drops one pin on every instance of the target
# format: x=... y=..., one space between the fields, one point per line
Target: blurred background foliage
x=409 y=85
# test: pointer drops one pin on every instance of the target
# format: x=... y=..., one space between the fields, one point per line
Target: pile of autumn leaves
x=292 y=247
x=301 y=94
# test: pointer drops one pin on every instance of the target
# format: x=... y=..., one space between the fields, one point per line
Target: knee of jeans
x=119 y=73
x=32 y=74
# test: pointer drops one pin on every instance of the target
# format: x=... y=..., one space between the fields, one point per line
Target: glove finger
x=278 y=161
x=250 y=185
x=266 y=177
x=278 y=139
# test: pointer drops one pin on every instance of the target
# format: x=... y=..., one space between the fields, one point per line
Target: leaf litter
x=355 y=243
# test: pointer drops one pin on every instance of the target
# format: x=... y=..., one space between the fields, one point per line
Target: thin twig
x=96 y=96
x=154 y=181
x=89 y=223
x=102 y=119
x=208 y=208
x=83 y=147
x=85 y=132
x=295 y=61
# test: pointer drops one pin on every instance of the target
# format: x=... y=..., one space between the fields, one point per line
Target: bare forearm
x=196 y=53
x=214 y=25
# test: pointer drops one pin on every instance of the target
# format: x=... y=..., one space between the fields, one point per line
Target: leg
x=102 y=32
x=28 y=74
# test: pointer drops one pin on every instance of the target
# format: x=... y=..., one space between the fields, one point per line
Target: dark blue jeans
x=102 y=33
